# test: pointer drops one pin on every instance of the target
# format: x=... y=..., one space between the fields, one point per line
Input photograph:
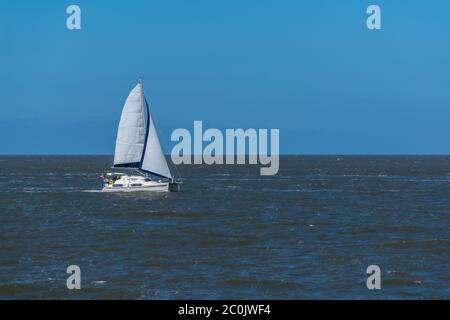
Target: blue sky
x=310 y=68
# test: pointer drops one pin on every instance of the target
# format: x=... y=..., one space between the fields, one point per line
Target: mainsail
x=131 y=133
x=137 y=144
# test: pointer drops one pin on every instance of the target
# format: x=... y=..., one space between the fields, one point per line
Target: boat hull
x=160 y=187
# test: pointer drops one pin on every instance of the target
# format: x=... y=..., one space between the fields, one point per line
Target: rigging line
x=146 y=133
x=153 y=173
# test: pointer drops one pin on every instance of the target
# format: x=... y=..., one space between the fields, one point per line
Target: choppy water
x=309 y=232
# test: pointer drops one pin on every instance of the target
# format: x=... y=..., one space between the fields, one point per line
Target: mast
x=142 y=91
x=147 y=126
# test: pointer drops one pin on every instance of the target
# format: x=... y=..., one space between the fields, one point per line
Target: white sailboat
x=138 y=148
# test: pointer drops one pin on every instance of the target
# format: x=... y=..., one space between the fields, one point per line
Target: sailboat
x=138 y=149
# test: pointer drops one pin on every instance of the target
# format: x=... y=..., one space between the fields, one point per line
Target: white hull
x=163 y=187
x=134 y=184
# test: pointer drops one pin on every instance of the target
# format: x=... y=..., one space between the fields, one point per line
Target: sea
x=310 y=232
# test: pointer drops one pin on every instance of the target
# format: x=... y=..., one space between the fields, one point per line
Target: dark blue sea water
x=309 y=232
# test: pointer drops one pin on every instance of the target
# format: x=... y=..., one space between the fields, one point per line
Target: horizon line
x=281 y=154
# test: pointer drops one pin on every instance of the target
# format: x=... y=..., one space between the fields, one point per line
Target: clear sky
x=310 y=68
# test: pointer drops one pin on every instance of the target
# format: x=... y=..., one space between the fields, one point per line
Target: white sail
x=131 y=133
x=154 y=160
